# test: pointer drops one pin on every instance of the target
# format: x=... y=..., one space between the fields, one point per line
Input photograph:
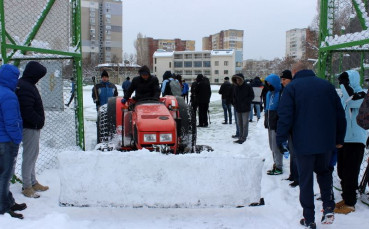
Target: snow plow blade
x=150 y=179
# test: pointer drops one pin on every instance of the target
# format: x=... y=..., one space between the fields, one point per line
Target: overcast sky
x=264 y=22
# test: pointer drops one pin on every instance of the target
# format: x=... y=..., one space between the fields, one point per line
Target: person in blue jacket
x=126 y=84
x=351 y=155
x=273 y=83
x=10 y=137
x=102 y=91
x=311 y=110
x=185 y=90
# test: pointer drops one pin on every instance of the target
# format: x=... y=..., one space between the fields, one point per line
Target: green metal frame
x=9 y=49
x=324 y=68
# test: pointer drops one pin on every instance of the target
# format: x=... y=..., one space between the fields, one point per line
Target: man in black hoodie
x=32 y=112
x=242 y=98
x=226 y=91
x=203 y=94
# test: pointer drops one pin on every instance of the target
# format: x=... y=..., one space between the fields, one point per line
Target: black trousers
x=306 y=165
x=349 y=159
x=203 y=114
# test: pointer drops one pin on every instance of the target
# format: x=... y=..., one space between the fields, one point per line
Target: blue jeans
x=257 y=106
x=8 y=158
x=227 y=110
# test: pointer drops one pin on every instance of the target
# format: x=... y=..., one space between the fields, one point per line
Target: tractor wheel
x=102 y=124
x=185 y=133
x=106 y=122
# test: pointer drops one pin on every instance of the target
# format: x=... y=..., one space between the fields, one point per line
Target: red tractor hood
x=154 y=117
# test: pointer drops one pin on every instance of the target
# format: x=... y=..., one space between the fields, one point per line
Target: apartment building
x=296 y=43
x=225 y=39
x=101 y=26
x=215 y=64
x=151 y=45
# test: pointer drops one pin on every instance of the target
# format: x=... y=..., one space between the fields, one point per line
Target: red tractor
x=167 y=125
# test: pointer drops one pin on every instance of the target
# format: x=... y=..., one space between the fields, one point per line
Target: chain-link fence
x=48 y=31
x=344 y=45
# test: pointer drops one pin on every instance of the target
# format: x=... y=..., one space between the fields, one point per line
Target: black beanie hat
x=286 y=74
x=104 y=73
x=199 y=77
x=226 y=78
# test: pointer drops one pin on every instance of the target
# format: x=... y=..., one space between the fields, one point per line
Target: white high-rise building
x=295 y=43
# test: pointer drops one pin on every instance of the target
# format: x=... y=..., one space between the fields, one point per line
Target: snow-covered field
x=281 y=210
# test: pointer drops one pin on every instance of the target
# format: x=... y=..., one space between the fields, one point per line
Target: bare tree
x=142 y=50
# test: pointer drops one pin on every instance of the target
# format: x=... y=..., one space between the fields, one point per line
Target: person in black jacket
x=242 y=98
x=226 y=92
x=203 y=94
x=145 y=85
x=32 y=112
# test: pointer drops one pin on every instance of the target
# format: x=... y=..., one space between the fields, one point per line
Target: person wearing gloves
x=311 y=110
x=145 y=85
x=351 y=155
x=102 y=91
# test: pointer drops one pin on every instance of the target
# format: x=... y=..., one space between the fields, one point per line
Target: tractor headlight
x=149 y=137
x=165 y=137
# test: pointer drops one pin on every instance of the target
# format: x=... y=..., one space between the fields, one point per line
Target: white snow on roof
x=163 y=54
x=227 y=52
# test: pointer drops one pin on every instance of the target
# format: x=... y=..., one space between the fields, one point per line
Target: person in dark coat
x=242 y=97
x=227 y=96
x=311 y=108
x=33 y=115
x=10 y=138
x=145 y=85
x=257 y=87
x=193 y=100
x=102 y=91
x=203 y=94
x=126 y=84
x=72 y=91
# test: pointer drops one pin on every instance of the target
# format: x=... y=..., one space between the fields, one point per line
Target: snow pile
x=151 y=179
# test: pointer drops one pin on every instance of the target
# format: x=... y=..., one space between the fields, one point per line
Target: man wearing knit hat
x=102 y=91
x=286 y=77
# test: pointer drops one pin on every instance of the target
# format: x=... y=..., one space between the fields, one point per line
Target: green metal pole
x=362 y=68
x=323 y=33
x=3 y=33
x=77 y=64
x=359 y=14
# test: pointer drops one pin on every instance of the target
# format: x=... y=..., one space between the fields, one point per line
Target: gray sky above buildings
x=264 y=22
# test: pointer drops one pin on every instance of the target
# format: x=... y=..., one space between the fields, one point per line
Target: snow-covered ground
x=282 y=208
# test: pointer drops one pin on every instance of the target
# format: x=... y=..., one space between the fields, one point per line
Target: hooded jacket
x=312 y=109
x=203 y=89
x=144 y=88
x=31 y=107
x=10 y=117
x=242 y=94
x=354 y=133
x=272 y=102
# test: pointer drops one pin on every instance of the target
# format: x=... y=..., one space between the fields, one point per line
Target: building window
x=207 y=72
x=178 y=56
x=216 y=72
x=198 y=56
x=155 y=60
x=188 y=56
x=179 y=72
x=216 y=63
x=188 y=64
x=225 y=63
x=187 y=72
x=206 y=64
x=178 y=64
x=197 y=64
x=216 y=80
x=225 y=72
x=155 y=68
x=198 y=72
x=170 y=64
